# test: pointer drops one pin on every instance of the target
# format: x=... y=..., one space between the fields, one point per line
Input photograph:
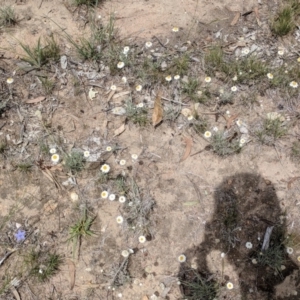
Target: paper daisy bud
x=126 y=50
x=181 y=258
x=124 y=79
x=104 y=194
x=177 y=77
x=142 y=239
x=175 y=29
x=270 y=76
x=9 y=80
x=55 y=158
x=125 y=253
x=105 y=168
x=134 y=156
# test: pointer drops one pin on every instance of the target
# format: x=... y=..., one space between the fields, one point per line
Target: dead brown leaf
x=72 y=271
x=121 y=94
x=36 y=100
x=119 y=130
x=110 y=95
x=189 y=143
x=235 y=19
x=157 y=115
x=15 y=292
x=230 y=120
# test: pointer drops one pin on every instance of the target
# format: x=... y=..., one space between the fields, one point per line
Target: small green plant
x=224 y=144
x=39 y=55
x=295 y=151
x=271 y=131
x=199 y=287
x=214 y=60
x=199 y=124
x=48 y=85
x=121 y=185
x=273 y=257
x=86 y=2
x=24 y=167
x=191 y=87
x=74 y=161
x=284 y=22
x=81 y=229
x=3 y=146
x=43 y=265
x=137 y=211
x=180 y=65
x=7 y=16
x=137 y=115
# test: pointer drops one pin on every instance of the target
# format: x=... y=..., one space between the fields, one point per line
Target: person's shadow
x=246 y=211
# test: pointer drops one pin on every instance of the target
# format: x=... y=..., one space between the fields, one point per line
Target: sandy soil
x=184 y=191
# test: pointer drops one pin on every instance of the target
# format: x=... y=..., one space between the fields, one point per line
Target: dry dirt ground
x=187 y=197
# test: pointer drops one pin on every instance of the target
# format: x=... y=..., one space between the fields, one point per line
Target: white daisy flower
x=55 y=158
x=234 y=78
x=134 y=156
x=104 y=194
x=126 y=50
x=289 y=250
x=168 y=78
x=207 y=134
x=270 y=75
x=177 y=77
x=234 y=88
x=249 y=245
x=148 y=45
x=52 y=150
x=294 y=84
x=86 y=153
x=120 y=65
x=113 y=87
x=105 y=168
x=9 y=80
x=122 y=162
x=108 y=148
x=181 y=258
x=229 y=285
x=138 y=88
x=112 y=197
x=207 y=79
x=119 y=219
x=122 y=199
x=175 y=29
x=142 y=239
x=140 y=105
x=125 y=253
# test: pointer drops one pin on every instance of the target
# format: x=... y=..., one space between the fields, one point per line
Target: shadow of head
x=249 y=227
